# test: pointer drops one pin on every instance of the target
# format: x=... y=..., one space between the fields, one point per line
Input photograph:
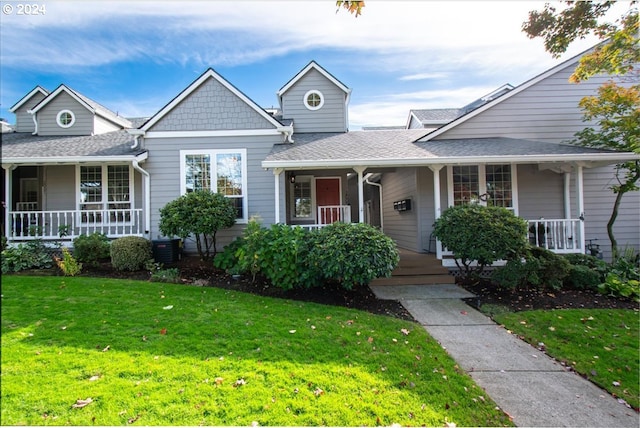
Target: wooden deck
x=417 y=269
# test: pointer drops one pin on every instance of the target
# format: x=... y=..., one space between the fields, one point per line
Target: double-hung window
x=491 y=185
x=105 y=193
x=219 y=171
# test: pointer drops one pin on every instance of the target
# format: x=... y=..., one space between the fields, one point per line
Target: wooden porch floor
x=417 y=269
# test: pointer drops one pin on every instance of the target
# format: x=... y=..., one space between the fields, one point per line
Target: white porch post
x=7 y=195
x=567 y=195
x=580 y=203
x=436 y=202
x=360 y=171
x=276 y=175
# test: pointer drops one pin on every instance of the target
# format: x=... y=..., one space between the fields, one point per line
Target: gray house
x=75 y=167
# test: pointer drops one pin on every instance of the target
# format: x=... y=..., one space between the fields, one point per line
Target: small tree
x=201 y=214
x=476 y=233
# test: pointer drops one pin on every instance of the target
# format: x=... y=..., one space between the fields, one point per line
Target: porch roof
x=397 y=148
x=25 y=148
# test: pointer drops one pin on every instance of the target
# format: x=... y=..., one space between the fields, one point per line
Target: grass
x=166 y=354
x=600 y=344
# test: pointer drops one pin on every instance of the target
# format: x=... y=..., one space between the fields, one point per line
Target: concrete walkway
x=529 y=386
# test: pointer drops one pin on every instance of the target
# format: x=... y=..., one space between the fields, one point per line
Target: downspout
x=137 y=133
x=147 y=196
x=379 y=186
x=8 y=202
x=35 y=121
x=288 y=133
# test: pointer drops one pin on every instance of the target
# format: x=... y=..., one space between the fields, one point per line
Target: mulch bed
x=194 y=271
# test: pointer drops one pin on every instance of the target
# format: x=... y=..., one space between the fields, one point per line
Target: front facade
x=74 y=167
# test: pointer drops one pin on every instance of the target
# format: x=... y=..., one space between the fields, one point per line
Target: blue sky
x=135 y=56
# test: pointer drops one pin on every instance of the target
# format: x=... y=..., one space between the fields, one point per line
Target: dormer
x=24 y=121
x=316 y=101
x=66 y=112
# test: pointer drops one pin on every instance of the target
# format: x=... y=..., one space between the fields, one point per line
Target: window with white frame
x=105 y=193
x=302 y=206
x=65 y=119
x=491 y=185
x=220 y=171
x=313 y=100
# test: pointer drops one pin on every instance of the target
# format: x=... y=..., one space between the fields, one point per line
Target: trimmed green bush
x=199 y=214
x=539 y=268
x=352 y=254
x=90 y=249
x=581 y=277
x=130 y=253
x=475 y=233
x=32 y=255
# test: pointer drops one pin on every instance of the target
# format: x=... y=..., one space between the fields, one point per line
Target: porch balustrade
x=55 y=225
x=328 y=214
x=557 y=235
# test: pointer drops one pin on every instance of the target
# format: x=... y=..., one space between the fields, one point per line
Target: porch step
x=415 y=280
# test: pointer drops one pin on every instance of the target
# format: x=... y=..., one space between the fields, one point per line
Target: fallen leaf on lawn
x=615 y=383
x=144 y=338
x=64 y=327
x=292 y=331
x=133 y=419
x=79 y=404
x=523 y=322
x=107 y=348
x=405 y=331
x=239 y=382
x=219 y=380
x=313 y=327
x=92 y=378
x=166 y=308
x=394 y=340
x=318 y=392
x=370 y=340
x=552 y=329
x=349 y=322
x=163 y=331
x=418 y=357
x=607 y=348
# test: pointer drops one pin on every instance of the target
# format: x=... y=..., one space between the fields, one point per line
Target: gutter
x=379 y=186
x=136 y=133
x=147 y=195
x=288 y=133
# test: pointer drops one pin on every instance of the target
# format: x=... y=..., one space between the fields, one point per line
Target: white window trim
x=306 y=96
x=482 y=185
x=59 y=121
x=104 y=171
x=212 y=154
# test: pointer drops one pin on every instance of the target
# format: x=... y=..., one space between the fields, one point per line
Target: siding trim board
x=216 y=133
x=37 y=89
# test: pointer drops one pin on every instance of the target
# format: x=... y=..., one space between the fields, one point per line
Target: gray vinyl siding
x=164 y=167
x=414 y=124
x=541 y=193
x=60 y=182
x=332 y=117
x=598 y=204
x=102 y=126
x=546 y=111
x=211 y=107
x=47 y=124
x=402 y=227
x=24 y=120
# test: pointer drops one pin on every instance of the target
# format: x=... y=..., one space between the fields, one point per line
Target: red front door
x=328 y=193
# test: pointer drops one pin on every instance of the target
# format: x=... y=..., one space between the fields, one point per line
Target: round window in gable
x=313 y=100
x=66 y=118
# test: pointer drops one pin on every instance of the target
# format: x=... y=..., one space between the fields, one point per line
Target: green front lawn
x=164 y=354
x=600 y=344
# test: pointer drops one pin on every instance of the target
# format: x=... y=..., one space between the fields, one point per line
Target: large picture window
x=491 y=185
x=105 y=193
x=220 y=171
x=302 y=198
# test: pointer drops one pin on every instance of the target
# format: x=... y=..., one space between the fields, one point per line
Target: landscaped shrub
x=582 y=277
x=475 y=233
x=68 y=264
x=201 y=214
x=32 y=255
x=352 y=254
x=539 y=268
x=130 y=253
x=171 y=275
x=90 y=249
x=623 y=277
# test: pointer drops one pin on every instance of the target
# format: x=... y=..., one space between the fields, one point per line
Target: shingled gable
x=89 y=104
x=37 y=90
x=504 y=97
x=312 y=66
x=193 y=87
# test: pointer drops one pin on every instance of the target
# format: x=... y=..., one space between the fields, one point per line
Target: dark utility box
x=166 y=250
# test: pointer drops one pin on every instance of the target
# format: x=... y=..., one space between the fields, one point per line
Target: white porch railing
x=558 y=235
x=54 y=225
x=329 y=214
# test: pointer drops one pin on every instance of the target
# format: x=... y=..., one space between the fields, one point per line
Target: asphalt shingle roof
x=438 y=114
x=25 y=145
x=401 y=145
